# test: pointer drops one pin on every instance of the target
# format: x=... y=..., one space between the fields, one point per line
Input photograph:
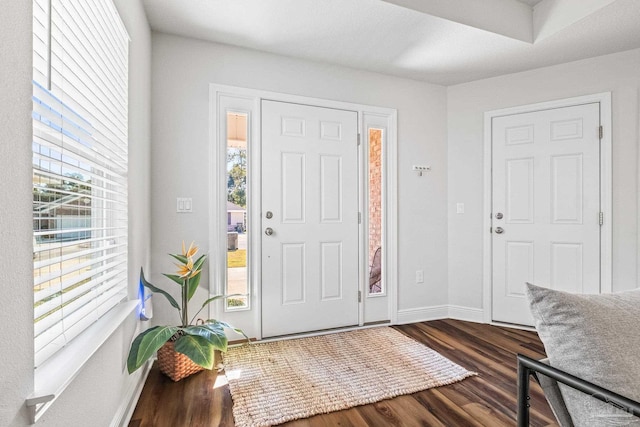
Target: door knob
x=268 y=231
x=499 y=230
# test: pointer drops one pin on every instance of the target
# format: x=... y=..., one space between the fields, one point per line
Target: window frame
x=111 y=47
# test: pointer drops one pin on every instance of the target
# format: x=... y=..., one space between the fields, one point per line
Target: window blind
x=80 y=137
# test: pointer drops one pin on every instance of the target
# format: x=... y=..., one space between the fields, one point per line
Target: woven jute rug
x=275 y=382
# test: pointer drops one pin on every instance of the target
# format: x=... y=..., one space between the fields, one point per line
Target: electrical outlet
x=419 y=276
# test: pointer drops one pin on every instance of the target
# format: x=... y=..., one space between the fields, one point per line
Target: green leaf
x=158 y=290
x=146 y=344
x=194 y=281
x=179 y=280
x=205 y=304
x=183 y=259
x=210 y=300
x=226 y=325
x=197 y=348
x=199 y=262
x=213 y=333
x=193 y=286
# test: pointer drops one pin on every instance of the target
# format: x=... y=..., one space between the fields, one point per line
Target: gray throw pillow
x=596 y=338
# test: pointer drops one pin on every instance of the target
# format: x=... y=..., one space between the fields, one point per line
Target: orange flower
x=191 y=251
x=186 y=270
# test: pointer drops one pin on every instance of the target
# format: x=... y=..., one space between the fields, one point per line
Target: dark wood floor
x=486 y=400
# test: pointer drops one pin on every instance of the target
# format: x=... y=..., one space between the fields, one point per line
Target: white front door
x=309 y=218
x=545 y=207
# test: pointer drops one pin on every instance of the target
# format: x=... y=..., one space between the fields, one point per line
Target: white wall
x=16 y=249
x=133 y=15
x=102 y=387
x=618 y=73
x=182 y=71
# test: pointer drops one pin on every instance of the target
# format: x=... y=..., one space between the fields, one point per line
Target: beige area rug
x=275 y=382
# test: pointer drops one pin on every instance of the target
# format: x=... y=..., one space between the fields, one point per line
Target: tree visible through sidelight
x=237 y=232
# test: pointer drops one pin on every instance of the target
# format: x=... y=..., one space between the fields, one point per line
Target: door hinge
x=359 y=296
x=359 y=217
x=600 y=132
x=358 y=139
x=490 y=229
x=601 y=218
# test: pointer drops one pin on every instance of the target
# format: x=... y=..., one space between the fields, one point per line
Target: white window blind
x=80 y=95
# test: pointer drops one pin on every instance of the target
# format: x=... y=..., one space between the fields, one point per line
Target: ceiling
x=440 y=41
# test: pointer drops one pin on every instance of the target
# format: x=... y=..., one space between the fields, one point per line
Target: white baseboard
x=130 y=399
x=466 y=313
x=437 y=312
x=422 y=314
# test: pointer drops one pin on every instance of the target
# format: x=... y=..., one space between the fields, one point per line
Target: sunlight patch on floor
x=223 y=380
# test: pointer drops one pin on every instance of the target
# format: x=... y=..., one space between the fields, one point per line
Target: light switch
x=459 y=208
x=184 y=204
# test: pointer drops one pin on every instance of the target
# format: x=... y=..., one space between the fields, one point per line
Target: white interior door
x=545 y=207
x=309 y=218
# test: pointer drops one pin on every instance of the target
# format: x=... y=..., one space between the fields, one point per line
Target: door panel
x=293 y=274
x=310 y=185
x=566 y=189
x=566 y=266
x=331 y=181
x=546 y=185
x=519 y=266
x=293 y=187
x=520 y=200
x=331 y=270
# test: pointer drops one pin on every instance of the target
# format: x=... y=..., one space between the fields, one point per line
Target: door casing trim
x=217 y=242
x=604 y=99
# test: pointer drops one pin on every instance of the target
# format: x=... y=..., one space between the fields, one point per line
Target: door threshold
x=325 y=331
x=378 y=322
x=513 y=326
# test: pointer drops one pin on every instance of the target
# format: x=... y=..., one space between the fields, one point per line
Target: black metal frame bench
x=530 y=367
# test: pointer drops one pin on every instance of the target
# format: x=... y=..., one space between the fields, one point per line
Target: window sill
x=55 y=375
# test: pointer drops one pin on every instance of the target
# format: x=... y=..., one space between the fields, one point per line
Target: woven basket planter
x=175 y=365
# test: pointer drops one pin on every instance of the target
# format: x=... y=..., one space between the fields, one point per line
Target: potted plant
x=189 y=347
